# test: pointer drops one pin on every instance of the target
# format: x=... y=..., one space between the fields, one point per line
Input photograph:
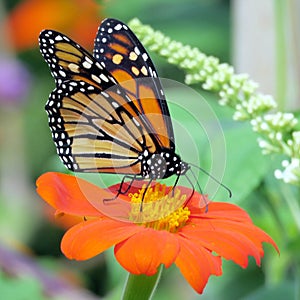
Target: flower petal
x=220 y=210
x=197 y=263
x=229 y=245
x=88 y=239
x=69 y=194
x=144 y=252
x=250 y=232
x=229 y=231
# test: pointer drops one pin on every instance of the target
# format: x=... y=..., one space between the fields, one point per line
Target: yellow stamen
x=159 y=211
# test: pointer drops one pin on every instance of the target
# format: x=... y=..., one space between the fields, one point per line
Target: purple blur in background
x=15 y=81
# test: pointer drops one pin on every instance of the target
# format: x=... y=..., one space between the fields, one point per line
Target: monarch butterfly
x=108 y=112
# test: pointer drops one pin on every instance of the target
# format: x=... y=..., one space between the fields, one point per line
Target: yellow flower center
x=155 y=209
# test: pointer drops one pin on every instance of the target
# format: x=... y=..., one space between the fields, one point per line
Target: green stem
x=141 y=287
x=281 y=52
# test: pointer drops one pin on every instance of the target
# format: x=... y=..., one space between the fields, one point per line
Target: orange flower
x=183 y=233
x=79 y=19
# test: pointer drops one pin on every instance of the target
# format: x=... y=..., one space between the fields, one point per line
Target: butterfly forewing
x=68 y=60
x=127 y=60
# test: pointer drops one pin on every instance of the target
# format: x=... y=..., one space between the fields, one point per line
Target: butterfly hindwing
x=91 y=134
x=127 y=60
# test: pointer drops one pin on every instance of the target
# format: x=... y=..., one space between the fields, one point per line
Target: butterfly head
x=162 y=165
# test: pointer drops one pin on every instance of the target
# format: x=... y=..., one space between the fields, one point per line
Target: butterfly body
x=108 y=113
x=162 y=165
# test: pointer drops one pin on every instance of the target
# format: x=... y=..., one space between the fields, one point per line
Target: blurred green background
x=31 y=264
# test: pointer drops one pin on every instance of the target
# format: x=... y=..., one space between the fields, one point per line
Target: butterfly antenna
x=212 y=177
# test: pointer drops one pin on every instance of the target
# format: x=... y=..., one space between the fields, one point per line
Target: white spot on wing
x=99 y=66
x=73 y=67
x=118 y=27
x=103 y=77
x=137 y=51
x=105 y=94
x=86 y=64
x=145 y=56
x=88 y=60
x=144 y=70
x=62 y=73
x=150 y=71
x=59 y=38
x=96 y=78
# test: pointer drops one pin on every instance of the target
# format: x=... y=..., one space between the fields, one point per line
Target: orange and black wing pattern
x=68 y=60
x=97 y=124
x=92 y=131
x=127 y=60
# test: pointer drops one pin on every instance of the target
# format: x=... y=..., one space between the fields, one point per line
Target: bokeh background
x=258 y=37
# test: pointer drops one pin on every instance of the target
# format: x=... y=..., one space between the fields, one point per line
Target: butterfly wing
x=127 y=60
x=95 y=125
x=68 y=60
x=99 y=126
x=91 y=134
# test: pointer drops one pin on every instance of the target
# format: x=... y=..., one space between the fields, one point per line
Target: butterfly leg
x=129 y=186
x=146 y=188
x=132 y=178
x=175 y=184
x=192 y=185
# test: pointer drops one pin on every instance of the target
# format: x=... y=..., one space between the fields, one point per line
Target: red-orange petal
x=229 y=245
x=229 y=231
x=144 y=252
x=90 y=238
x=219 y=210
x=196 y=264
x=70 y=194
